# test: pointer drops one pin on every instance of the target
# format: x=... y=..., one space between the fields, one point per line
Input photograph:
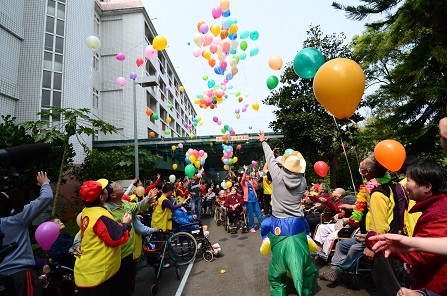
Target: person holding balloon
x=14 y=224
x=249 y=184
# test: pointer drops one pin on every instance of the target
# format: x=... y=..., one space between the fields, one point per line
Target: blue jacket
x=181 y=217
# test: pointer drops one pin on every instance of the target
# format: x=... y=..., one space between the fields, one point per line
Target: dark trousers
x=101 y=290
x=27 y=283
x=234 y=216
x=384 y=275
x=123 y=279
x=267 y=198
x=313 y=220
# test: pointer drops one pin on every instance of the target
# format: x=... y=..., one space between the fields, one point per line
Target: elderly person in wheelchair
x=187 y=222
x=234 y=202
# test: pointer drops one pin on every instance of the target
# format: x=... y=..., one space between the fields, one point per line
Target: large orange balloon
x=339 y=85
x=275 y=63
x=391 y=154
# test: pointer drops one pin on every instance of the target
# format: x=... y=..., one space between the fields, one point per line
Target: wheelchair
x=202 y=241
x=166 y=249
x=241 y=224
x=218 y=216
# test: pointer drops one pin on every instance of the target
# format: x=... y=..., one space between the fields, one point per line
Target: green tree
x=306 y=125
x=117 y=164
x=74 y=122
x=406 y=53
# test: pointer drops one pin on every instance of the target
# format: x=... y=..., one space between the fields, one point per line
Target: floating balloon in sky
x=159 y=42
x=275 y=62
x=121 y=81
x=120 y=56
x=93 y=42
x=307 y=62
x=133 y=75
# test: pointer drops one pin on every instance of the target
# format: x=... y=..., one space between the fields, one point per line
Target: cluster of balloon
x=275 y=63
x=321 y=168
x=391 y=154
x=46 y=234
x=226 y=129
x=196 y=158
x=228 y=158
x=226 y=184
x=223 y=46
x=216 y=120
x=338 y=86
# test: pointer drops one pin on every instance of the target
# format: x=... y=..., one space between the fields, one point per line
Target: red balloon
x=321 y=168
x=139 y=62
x=238 y=147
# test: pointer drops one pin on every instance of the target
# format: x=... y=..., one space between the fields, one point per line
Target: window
x=51 y=7
x=46 y=80
x=61 y=11
x=49 y=42
x=47 y=60
x=57 y=98
x=96 y=25
x=49 y=26
x=46 y=98
x=57 y=81
x=96 y=61
x=59 y=45
x=95 y=98
x=58 y=62
x=60 y=27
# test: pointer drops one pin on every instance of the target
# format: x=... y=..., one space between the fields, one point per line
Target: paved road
x=246 y=271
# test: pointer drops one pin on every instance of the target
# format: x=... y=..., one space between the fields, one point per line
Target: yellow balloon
x=139 y=191
x=174 y=166
x=235 y=159
x=207 y=55
x=238 y=116
x=196 y=101
x=228 y=184
x=159 y=42
x=93 y=42
x=191 y=135
x=211 y=144
x=197 y=164
x=192 y=158
x=338 y=86
x=168 y=120
x=233 y=29
x=275 y=63
x=215 y=30
x=255 y=106
x=181 y=88
x=199 y=118
x=200 y=123
x=173 y=147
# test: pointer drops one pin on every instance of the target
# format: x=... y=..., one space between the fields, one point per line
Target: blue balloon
x=214 y=101
x=232 y=36
x=189 y=43
x=218 y=70
x=225 y=161
x=226 y=13
x=230 y=129
x=226 y=24
x=250 y=127
x=232 y=50
x=254 y=35
x=244 y=34
x=229 y=76
x=307 y=62
x=288 y=151
x=223 y=184
x=187 y=161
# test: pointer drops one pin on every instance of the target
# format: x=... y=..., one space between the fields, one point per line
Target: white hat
x=294 y=162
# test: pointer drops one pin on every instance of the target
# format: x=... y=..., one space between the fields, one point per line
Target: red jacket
x=231 y=200
x=150 y=187
x=429 y=271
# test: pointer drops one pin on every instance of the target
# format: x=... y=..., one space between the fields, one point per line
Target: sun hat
x=294 y=162
x=90 y=190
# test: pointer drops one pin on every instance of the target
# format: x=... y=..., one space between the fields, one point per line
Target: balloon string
x=346 y=156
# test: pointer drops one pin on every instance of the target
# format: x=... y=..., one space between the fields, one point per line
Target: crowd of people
x=394 y=221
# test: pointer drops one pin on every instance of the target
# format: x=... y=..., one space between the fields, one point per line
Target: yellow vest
x=162 y=218
x=98 y=262
x=267 y=187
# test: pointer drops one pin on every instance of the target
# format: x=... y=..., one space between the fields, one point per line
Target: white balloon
x=172 y=178
x=93 y=42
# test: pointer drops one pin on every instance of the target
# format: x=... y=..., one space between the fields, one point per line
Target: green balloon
x=244 y=45
x=307 y=62
x=154 y=116
x=190 y=170
x=223 y=131
x=230 y=161
x=167 y=132
x=254 y=35
x=226 y=126
x=194 y=123
x=169 y=106
x=272 y=82
x=236 y=57
x=205 y=77
x=237 y=94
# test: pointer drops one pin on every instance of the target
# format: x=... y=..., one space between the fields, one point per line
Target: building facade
x=45 y=62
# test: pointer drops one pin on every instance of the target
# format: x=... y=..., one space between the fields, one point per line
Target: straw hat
x=294 y=162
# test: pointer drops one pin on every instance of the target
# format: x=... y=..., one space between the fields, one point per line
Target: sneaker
x=330 y=275
x=252 y=230
x=322 y=255
x=166 y=265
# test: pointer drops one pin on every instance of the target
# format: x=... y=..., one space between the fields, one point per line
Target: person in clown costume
x=285 y=232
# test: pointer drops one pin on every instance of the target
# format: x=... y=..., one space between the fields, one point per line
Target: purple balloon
x=46 y=234
x=168 y=88
x=133 y=75
x=185 y=125
x=254 y=163
x=204 y=28
x=244 y=109
x=237 y=110
x=120 y=56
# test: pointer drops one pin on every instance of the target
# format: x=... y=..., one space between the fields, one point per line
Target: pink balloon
x=254 y=163
x=219 y=122
x=223 y=65
x=196 y=52
x=120 y=56
x=150 y=52
x=213 y=48
x=215 y=119
x=226 y=46
x=207 y=40
x=46 y=234
x=217 y=12
x=121 y=81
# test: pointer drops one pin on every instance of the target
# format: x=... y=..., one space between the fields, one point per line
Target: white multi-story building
x=45 y=62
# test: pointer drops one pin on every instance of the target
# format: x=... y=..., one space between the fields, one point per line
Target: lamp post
x=145 y=81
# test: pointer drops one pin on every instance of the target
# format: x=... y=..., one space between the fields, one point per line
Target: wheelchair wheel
x=154 y=290
x=218 y=222
x=184 y=246
x=208 y=256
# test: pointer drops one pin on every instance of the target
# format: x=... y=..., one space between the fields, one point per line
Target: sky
x=282 y=26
